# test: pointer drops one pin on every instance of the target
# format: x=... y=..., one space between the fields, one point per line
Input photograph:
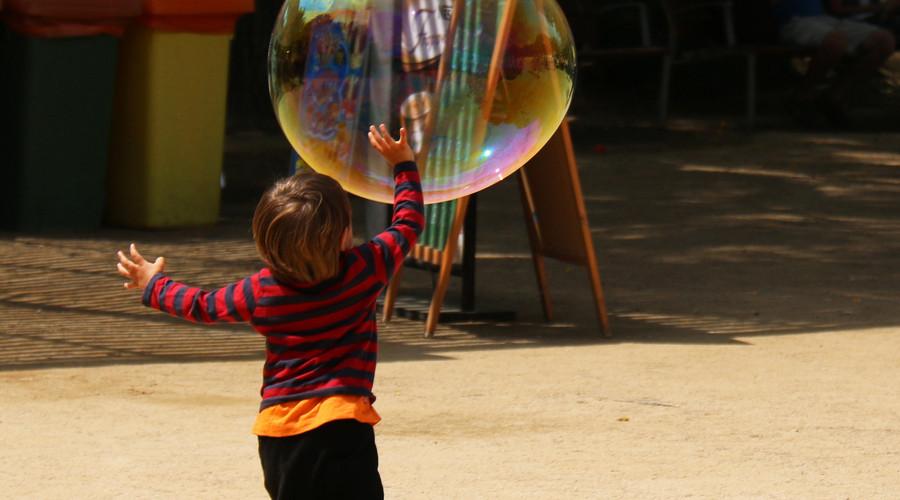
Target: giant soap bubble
x=480 y=85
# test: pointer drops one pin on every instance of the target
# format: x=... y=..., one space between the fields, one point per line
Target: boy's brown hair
x=299 y=226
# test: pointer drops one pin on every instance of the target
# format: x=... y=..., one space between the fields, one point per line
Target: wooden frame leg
x=440 y=291
x=543 y=283
x=599 y=299
x=534 y=239
x=546 y=213
x=390 y=296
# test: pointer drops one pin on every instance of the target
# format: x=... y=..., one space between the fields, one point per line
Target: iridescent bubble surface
x=480 y=85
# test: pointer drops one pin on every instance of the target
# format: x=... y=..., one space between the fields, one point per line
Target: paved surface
x=700 y=235
x=699 y=229
x=61 y=304
x=752 y=282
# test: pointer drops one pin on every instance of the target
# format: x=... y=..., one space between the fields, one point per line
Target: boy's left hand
x=137 y=270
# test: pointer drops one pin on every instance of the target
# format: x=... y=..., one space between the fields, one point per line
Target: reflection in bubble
x=481 y=85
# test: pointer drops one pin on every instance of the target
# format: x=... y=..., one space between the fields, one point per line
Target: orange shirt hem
x=297 y=417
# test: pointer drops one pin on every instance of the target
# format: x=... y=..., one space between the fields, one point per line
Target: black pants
x=335 y=461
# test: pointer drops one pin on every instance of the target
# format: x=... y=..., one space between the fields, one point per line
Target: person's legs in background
x=834 y=39
x=831 y=44
x=871 y=47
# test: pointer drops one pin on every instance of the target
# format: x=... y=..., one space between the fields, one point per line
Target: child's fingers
x=124 y=272
x=402 y=141
x=138 y=258
x=377 y=146
x=383 y=143
x=375 y=132
x=375 y=136
x=374 y=142
x=130 y=285
x=125 y=261
x=386 y=133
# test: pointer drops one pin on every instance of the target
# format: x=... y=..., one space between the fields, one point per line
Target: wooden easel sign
x=551 y=191
x=556 y=217
x=558 y=228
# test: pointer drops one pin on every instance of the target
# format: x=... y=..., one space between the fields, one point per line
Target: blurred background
x=131 y=115
x=134 y=91
x=710 y=193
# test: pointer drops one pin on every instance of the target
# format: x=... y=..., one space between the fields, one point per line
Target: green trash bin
x=59 y=72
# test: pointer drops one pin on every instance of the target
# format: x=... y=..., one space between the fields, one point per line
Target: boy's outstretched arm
x=234 y=302
x=391 y=246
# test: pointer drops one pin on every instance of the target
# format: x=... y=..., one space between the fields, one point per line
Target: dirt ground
x=752 y=282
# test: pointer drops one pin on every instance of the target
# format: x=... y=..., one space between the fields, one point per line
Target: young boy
x=315 y=305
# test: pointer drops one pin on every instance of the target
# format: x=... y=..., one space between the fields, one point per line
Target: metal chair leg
x=751 y=90
x=665 y=81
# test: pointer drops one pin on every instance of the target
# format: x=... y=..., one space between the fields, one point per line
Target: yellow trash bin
x=169 y=120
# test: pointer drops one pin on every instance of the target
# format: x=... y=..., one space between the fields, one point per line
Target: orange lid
x=69 y=18
x=50 y=27
x=206 y=24
x=75 y=9
x=194 y=16
x=196 y=7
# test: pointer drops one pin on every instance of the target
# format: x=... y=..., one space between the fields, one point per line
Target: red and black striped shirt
x=321 y=338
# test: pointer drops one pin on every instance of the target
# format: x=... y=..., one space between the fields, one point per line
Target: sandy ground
x=804 y=416
x=752 y=282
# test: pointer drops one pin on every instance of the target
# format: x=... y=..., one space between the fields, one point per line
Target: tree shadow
x=710 y=240
x=772 y=233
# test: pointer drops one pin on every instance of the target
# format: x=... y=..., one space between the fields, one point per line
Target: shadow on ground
x=703 y=235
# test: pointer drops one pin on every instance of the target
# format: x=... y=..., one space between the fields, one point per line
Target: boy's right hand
x=395 y=152
x=137 y=270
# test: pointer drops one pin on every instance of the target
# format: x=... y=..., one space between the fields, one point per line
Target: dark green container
x=56 y=108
